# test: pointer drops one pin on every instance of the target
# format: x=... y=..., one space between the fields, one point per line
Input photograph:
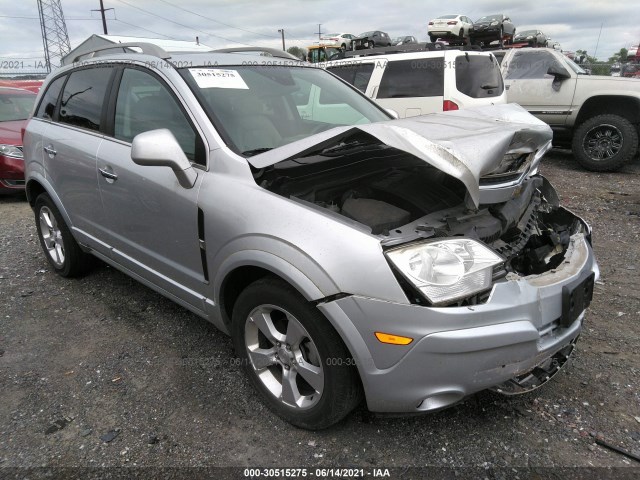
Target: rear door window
x=83 y=97
x=357 y=75
x=413 y=78
x=478 y=76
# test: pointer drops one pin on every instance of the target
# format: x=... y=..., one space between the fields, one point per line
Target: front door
x=529 y=85
x=153 y=220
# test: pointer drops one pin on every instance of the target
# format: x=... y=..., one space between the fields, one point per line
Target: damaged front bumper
x=457 y=351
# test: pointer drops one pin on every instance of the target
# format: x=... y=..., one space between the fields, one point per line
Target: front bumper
x=458 y=351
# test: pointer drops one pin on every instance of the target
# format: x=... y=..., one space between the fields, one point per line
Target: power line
x=217 y=21
x=145 y=29
x=183 y=25
x=38 y=18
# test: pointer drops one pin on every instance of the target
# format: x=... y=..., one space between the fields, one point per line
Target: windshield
x=366 y=34
x=526 y=33
x=15 y=105
x=257 y=108
x=490 y=18
x=575 y=67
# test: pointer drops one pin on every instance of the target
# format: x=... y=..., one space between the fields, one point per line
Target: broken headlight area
x=446 y=270
x=442 y=252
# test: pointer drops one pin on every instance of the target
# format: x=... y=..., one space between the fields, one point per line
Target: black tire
x=62 y=251
x=432 y=38
x=372 y=44
x=605 y=143
x=340 y=391
x=461 y=33
x=343 y=46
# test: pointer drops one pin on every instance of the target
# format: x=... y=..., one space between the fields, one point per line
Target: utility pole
x=281 y=31
x=104 y=19
x=319 y=32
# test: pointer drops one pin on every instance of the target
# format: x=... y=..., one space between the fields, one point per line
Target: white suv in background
x=423 y=82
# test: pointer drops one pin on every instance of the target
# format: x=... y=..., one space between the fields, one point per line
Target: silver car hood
x=465 y=144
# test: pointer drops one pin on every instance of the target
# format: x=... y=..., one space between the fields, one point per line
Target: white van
x=423 y=82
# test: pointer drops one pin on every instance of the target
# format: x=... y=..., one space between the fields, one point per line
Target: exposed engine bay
x=402 y=199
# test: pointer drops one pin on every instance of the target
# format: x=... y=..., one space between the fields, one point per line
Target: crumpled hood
x=465 y=144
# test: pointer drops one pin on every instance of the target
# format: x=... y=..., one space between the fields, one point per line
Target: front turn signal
x=393 y=339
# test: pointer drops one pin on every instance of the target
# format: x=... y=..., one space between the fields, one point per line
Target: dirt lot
x=102 y=371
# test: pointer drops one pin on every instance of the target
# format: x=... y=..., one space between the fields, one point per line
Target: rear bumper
x=458 y=351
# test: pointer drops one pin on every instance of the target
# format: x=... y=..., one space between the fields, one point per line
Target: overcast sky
x=575 y=24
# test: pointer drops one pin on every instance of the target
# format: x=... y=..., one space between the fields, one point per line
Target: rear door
x=70 y=144
x=473 y=79
x=153 y=221
x=528 y=84
x=412 y=87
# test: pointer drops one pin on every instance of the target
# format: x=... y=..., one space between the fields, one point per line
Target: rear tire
x=292 y=355
x=605 y=143
x=61 y=249
x=432 y=38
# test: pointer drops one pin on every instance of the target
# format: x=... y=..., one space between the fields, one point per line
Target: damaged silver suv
x=349 y=255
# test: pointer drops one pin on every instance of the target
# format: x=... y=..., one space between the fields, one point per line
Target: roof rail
x=411 y=47
x=274 y=52
x=147 y=49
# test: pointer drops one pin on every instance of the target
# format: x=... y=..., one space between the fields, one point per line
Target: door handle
x=108 y=174
x=50 y=151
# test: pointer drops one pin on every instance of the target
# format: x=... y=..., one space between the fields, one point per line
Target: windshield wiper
x=343 y=146
x=256 y=151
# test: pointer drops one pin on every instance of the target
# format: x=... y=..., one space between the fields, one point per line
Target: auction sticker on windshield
x=218 y=78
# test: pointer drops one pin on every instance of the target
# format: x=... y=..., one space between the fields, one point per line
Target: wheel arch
x=38 y=185
x=625 y=106
x=244 y=267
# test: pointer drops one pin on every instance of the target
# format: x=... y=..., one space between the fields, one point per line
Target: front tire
x=292 y=355
x=61 y=249
x=605 y=143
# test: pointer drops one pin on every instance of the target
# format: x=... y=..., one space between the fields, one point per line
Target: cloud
x=221 y=23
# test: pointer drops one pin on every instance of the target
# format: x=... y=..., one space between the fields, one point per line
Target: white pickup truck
x=597 y=116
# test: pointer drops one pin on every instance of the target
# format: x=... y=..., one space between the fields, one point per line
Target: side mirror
x=559 y=75
x=392 y=112
x=159 y=148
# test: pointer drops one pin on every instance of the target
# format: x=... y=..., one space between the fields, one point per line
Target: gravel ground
x=101 y=371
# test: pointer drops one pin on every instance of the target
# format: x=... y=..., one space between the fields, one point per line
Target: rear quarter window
x=478 y=76
x=50 y=99
x=422 y=77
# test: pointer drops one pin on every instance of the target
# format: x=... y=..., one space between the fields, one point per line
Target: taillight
x=430 y=23
x=448 y=105
x=453 y=22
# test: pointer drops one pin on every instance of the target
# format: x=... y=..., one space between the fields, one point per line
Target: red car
x=15 y=107
x=31 y=85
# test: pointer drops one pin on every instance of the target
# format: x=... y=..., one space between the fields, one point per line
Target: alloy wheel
x=284 y=356
x=52 y=236
x=602 y=142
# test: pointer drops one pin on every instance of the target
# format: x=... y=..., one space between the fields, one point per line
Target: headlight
x=10 y=151
x=494 y=24
x=446 y=270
